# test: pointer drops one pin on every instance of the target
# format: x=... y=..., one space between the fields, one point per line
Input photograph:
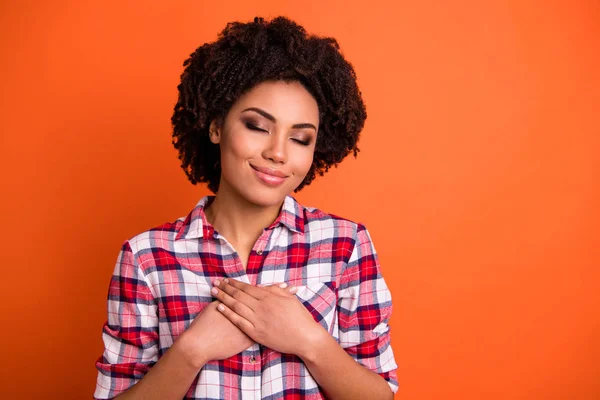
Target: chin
x=259 y=194
x=266 y=198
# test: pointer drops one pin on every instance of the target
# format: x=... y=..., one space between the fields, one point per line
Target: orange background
x=478 y=179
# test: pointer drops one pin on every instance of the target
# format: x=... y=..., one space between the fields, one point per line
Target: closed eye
x=255 y=128
x=302 y=142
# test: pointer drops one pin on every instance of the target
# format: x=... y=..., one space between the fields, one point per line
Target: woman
x=253 y=295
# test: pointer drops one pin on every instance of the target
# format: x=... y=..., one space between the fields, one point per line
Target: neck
x=238 y=220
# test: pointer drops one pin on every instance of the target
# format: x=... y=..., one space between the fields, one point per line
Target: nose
x=276 y=150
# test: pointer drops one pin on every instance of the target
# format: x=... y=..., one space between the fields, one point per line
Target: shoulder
x=317 y=220
x=161 y=237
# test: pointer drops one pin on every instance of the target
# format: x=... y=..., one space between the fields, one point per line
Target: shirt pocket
x=320 y=299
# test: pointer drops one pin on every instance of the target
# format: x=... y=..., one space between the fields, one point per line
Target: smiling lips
x=268 y=176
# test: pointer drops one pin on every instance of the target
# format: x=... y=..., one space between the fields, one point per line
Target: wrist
x=190 y=351
x=317 y=340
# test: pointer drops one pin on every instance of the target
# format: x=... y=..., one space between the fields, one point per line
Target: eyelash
x=301 y=142
x=256 y=128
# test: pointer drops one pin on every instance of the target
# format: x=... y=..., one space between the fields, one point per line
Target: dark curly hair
x=246 y=54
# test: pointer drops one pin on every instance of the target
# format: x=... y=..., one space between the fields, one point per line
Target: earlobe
x=214 y=132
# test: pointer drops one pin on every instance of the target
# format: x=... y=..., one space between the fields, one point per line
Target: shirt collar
x=291 y=216
x=195 y=225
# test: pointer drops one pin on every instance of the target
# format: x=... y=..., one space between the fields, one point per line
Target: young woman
x=253 y=296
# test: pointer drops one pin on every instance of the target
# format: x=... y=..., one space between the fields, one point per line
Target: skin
x=274 y=317
x=274 y=125
x=243 y=205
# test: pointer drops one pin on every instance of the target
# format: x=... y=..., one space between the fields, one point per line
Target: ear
x=214 y=132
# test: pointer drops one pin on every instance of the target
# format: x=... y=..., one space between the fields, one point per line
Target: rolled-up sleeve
x=364 y=309
x=130 y=333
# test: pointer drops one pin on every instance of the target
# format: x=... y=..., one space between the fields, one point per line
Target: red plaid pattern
x=163 y=277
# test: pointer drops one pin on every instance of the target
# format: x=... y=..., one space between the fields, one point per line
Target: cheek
x=237 y=148
x=304 y=161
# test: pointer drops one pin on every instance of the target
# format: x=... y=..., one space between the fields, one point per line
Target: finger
x=250 y=290
x=242 y=323
x=282 y=288
x=239 y=291
x=281 y=285
x=288 y=288
x=231 y=300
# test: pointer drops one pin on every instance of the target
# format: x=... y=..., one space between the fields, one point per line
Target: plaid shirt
x=163 y=277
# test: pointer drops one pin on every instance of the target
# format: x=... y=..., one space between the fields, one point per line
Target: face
x=267 y=142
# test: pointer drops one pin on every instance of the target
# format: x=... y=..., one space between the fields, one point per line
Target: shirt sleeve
x=130 y=334
x=364 y=309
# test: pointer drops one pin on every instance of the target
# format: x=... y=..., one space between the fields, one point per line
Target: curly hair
x=246 y=54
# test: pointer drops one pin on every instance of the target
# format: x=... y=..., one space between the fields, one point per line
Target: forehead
x=288 y=102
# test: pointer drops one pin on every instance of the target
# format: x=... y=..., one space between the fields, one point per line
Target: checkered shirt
x=162 y=280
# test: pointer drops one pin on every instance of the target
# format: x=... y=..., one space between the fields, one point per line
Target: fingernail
x=293 y=289
x=214 y=290
x=226 y=280
x=283 y=285
x=221 y=307
x=217 y=282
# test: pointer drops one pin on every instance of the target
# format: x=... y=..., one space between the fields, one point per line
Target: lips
x=268 y=176
x=269 y=171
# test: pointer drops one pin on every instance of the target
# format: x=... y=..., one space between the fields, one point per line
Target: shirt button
x=252 y=360
x=259 y=252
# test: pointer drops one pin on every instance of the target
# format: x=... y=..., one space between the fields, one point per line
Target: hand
x=211 y=336
x=271 y=316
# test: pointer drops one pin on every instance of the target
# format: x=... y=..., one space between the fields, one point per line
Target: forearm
x=339 y=375
x=170 y=378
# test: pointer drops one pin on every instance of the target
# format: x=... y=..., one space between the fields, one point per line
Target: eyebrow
x=272 y=118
